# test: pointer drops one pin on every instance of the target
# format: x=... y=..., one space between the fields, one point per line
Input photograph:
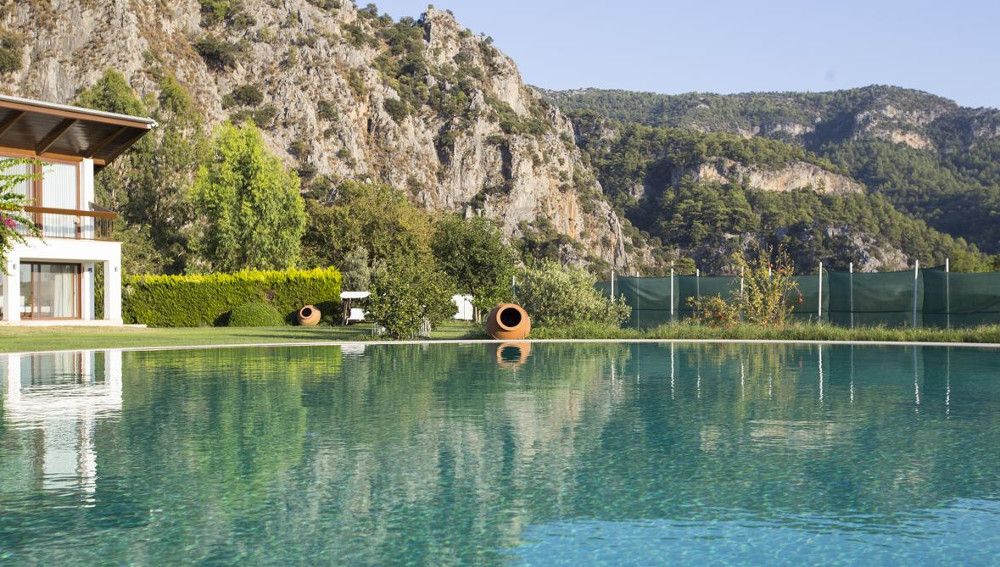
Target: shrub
x=255 y=314
x=770 y=293
x=554 y=294
x=714 y=311
x=203 y=300
x=405 y=293
x=248 y=95
x=217 y=53
x=396 y=108
x=10 y=51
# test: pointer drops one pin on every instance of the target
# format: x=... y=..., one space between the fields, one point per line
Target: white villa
x=50 y=280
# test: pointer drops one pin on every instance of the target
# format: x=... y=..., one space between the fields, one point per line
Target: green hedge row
x=198 y=301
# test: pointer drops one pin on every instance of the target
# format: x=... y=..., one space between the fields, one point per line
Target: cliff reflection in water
x=448 y=453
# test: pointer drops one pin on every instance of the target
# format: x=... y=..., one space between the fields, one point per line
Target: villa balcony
x=71 y=223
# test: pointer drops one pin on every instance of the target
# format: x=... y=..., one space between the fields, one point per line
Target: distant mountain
x=340 y=92
x=930 y=157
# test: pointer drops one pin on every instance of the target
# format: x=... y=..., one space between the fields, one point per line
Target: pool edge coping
x=531 y=341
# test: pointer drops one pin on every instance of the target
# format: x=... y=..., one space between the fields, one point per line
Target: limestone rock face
x=333 y=104
x=799 y=175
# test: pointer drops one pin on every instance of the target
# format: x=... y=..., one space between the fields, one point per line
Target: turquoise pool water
x=570 y=454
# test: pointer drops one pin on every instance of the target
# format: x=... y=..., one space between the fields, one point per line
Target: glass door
x=50 y=291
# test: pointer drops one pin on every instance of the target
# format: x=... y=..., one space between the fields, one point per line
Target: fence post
x=638 y=312
x=697 y=283
x=916 y=278
x=819 y=306
x=947 y=292
x=612 y=284
x=513 y=287
x=852 y=293
x=671 y=295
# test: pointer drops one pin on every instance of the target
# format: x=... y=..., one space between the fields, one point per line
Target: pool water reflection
x=536 y=454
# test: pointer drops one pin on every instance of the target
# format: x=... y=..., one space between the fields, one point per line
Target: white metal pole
x=819 y=307
x=851 y=268
x=612 y=284
x=947 y=292
x=638 y=312
x=697 y=283
x=916 y=278
x=671 y=297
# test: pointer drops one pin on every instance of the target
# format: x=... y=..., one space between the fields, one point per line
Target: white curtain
x=64 y=291
x=60 y=190
x=24 y=187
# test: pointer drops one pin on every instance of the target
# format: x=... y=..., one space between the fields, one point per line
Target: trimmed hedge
x=204 y=300
x=256 y=314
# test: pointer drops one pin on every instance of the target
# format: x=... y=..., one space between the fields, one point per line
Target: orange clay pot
x=309 y=316
x=513 y=354
x=508 y=322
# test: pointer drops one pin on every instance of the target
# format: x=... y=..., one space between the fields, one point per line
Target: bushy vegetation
x=708 y=220
x=554 y=294
x=255 y=314
x=957 y=192
x=11 y=47
x=767 y=296
x=217 y=53
x=473 y=254
x=197 y=301
x=405 y=294
x=793 y=332
x=148 y=186
x=952 y=184
x=251 y=212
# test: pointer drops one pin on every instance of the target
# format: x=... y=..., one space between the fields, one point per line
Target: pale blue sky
x=947 y=47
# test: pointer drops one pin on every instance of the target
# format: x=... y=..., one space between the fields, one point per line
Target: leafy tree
x=12 y=205
x=356 y=270
x=148 y=185
x=404 y=294
x=474 y=255
x=252 y=216
x=554 y=294
x=376 y=217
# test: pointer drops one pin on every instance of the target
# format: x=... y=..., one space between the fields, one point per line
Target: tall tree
x=251 y=213
x=376 y=217
x=149 y=185
x=474 y=255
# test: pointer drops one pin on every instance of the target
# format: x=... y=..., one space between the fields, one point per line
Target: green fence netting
x=929 y=297
x=870 y=299
x=960 y=300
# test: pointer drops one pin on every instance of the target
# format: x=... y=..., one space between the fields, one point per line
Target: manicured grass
x=23 y=339
x=802 y=332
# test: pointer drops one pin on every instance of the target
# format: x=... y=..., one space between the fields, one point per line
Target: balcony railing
x=71 y=223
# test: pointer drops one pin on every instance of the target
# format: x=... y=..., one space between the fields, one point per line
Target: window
x=50 y=291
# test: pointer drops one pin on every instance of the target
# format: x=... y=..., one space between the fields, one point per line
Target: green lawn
x=22 y=339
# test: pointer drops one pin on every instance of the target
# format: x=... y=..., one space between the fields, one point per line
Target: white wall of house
x=88 y=253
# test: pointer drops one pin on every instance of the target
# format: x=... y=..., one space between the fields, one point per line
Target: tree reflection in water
x=451 y=453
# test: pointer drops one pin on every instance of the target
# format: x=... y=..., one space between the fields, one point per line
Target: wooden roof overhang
x=36 y=128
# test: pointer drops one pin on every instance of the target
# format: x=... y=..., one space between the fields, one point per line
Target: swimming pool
x=540 y=454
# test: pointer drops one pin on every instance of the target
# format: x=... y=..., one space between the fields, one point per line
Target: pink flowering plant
x=16 y=224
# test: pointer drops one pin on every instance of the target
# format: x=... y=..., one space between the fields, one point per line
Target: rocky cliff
x=340 y=92
x=798 y=175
